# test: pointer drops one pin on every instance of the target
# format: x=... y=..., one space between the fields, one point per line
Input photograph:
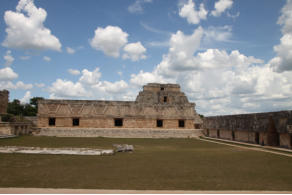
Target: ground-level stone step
x=120 y=132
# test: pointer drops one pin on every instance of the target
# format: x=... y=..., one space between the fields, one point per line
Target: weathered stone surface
x=256 y=122
x=271 y=128
x=123 y=148
x=70 y=151
x=4 y=96
x=157 y=101
x=15 y=128
x=120 y=132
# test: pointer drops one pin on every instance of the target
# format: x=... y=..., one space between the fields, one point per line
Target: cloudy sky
x=229 y=56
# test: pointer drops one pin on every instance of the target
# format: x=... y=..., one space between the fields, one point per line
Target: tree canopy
x=16 y=108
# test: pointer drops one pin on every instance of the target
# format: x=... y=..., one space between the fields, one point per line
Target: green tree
x=15 y=107
x=34 y=101
x=18 y=109
x=29 y=110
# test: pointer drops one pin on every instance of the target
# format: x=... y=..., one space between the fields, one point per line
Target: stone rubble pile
x=123 y=148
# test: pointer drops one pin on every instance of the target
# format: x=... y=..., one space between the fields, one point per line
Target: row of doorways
x=273 y=138
x=257 y=136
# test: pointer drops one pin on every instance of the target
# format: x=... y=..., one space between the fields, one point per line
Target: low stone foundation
x=120 y=132
x=15 y=128
x=69 y=151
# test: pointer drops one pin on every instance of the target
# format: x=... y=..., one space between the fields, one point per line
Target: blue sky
x=229 y=56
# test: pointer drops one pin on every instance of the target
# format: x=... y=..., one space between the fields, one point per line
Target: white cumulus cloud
x=192 y=14
x=219 y=81
x=218 y=33
x=7 y=74
x=9 y=59
x=90 y=78
x=46 y=58
x=18 y=85
x=66 y=89
x=70 y=50
x=27 y=96
x=283 y=61
x=74 y=71
x=221 y=6
x=109 y=40
x=134 y=51
x=89 y=86
x=40 y=85
x=137 y=6
x=26 y=30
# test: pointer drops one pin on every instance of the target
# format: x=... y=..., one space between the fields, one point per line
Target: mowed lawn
x=156 y=164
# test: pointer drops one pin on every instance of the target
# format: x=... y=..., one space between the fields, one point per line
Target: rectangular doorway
x=257 y=138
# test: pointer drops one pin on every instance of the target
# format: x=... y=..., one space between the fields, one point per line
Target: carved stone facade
x=158 y=106
x=4 y=96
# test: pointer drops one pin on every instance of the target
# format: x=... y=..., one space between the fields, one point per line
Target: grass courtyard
x=156 y=164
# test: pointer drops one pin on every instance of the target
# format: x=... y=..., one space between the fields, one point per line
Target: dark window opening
x=233 y=135
x=52 y=121
x=197 y=126
x=218 y=133
x=165 y=99
x=208 y=132
x=75 y=121
x=290 y=141
x=159 y=123
x=181 y=123
x=162 y=89
x=257 y=138
x=118 y=122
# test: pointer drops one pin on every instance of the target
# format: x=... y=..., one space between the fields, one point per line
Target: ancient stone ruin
x=271 y=128
x=8 y=129
x=158 y=107
x=4 y=96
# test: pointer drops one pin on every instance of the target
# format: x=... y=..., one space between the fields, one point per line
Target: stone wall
x=110 y=123
x=15 y=128
x=271 y=128
x=156 y=102
x=4 y=96
x=120 y=133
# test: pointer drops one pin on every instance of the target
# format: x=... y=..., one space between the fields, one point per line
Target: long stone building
x=157 y=107
x=270 y=128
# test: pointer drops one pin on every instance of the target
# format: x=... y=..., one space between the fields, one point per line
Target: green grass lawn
x=156 y=164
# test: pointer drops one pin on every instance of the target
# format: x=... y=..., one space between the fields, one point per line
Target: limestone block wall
x=286 y=140
x=15 y=128
x=213 y=133
x=272 y=128
x=226 y=134
x=110 y=123
x=156 y=102
x=120 y=132
x=4 y=96
x=156 y=87
x=251 y=122
x=263 y=138
x=245 y=136
x=5 y=129
x=32 y=119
